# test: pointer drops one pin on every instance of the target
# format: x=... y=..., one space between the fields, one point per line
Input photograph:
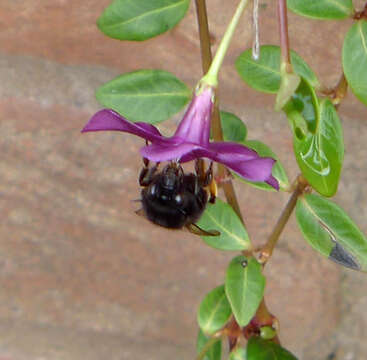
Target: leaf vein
x=362 y=37
x=146 y=14
x=237 y=238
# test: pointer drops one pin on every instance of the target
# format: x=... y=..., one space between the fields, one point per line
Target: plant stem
x=202 y=16
x=267 y=250
x=283 y=32
x=206 y=58
x=206 y=347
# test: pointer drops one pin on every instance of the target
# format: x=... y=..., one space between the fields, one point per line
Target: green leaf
x=244 y=287
x=278 y=170
x=238 y=354
x=304 y=102
x=220 y=216
x=214 y=311
x=355 y=59
x=289 y=83
x=214 y=352
x=331 y=232
x=320 y=155
x=322 y=9
x=140 y=19
x=264 y=74
x=233 y=127
x=150 y=96
x=260 y=349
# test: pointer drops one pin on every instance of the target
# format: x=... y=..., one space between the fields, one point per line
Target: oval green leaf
x=278 y=170
x=264 y=74
x=355 y=59
x=220 y=216
x=260 y=349
x=244 y=287
x=330 y=231
x=322 y=9
x=150 y=96
x=140 y=20
x=320 y=155
x=214 y=352
x=233 y=127
x=214 y=311
x=238 y=354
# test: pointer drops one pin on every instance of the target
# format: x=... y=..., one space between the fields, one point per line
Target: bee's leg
x=147 y=173
x=209 y=182
x=195 y=229
x=213 y=190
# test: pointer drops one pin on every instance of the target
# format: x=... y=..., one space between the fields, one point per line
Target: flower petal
x=233 y=150
x=272 y=181
x=159 y=152
x=107 y=119
x=195 y=124
x=254 y=169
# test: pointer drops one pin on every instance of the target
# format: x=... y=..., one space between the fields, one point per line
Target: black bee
x=173 y=199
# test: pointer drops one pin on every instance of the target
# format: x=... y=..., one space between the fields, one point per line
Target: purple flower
x=190 y=141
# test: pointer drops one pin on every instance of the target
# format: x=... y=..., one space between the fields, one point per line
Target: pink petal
x=272 y=181
x=166 y=152
x=233 y=151
x=107 y=119
x=195 y=125
x=255 y=169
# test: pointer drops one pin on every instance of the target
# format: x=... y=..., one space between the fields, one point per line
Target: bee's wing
x=195 y=229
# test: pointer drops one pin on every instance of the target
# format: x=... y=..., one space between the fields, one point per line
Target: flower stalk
x=206 y=59
x=211 y=77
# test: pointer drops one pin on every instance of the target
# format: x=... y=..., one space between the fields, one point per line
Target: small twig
x=283 y=32
x=202 y=17
x=267 y=250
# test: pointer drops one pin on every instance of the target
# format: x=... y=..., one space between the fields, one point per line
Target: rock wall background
x=81 y=276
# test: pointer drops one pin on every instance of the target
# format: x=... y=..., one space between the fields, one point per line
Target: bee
x=175 y=200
